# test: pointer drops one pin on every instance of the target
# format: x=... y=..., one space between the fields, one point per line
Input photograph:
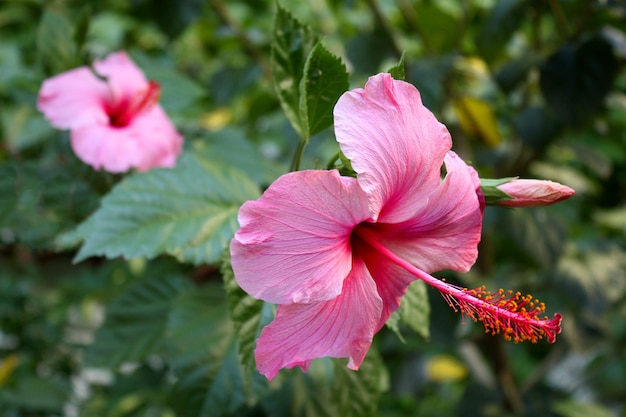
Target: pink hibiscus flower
x=114 y=120
x=338 y=253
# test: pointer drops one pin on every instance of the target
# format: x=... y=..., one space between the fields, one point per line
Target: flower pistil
x=518 y=317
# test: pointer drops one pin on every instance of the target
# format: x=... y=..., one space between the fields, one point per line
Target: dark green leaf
x=189 y=212
x=136 y=322
x=511 y=74
x=204 y=356
x=414 y=311
x=503 y=20
x=576 y=79
x=325 y=78
x=40 y=201
x=429 y=75
x=537 y=127
x=304 y=394
x=291 y=44
x=172 y=16
x=245 y=312
x=366 y=51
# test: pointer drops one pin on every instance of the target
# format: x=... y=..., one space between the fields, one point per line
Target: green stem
x=297 y=157
x=331 y=163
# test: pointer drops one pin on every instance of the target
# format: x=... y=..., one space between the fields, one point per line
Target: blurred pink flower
x=338 y=253
x=113 y=115
x=530 y=193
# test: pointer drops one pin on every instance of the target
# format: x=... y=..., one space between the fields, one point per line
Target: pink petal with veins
x=395 y=144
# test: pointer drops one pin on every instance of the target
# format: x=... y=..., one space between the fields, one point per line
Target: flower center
x=518 y=317
x=124 y=111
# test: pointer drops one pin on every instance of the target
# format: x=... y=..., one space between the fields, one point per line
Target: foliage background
x=527 y=88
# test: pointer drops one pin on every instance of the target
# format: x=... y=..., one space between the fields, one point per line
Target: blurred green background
x=535 y=89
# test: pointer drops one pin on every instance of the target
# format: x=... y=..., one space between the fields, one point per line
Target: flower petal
x=445 y=231
x=74 y=99
x=150 y=141
x=158 y=139
x=342 y=327
x=395 y=144
x=294 y=242
x=106 y=147
x=125 y=79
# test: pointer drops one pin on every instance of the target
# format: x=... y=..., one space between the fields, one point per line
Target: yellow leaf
x=477 y=119
x=445 y=368
x=216 y=119
x=7 y=365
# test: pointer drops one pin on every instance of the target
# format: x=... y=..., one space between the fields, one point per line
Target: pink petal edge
x=74 y=99
x=341 y=327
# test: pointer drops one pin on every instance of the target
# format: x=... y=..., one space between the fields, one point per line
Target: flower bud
x=531 y=193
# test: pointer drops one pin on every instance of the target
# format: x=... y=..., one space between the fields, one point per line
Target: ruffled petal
x=124 y=78
x=74 y=99
x=294 y=242
x=445 y=231
x=342 y=327
x=395 y=144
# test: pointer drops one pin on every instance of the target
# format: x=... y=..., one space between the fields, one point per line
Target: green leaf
x=40 y=201
x=398 y=70
x=33 y=392
x=329 y=389
x=189 y=212
x=231 y=147
x=303 y=394
x=245 y=312
x=291 y=44
x=136 y=322
x=55 y=42
x=414 y=311
x=356 y=393
x=203 y=354
x=571 y=408
x=438 y=28
x=178 y=92
x=325 y=78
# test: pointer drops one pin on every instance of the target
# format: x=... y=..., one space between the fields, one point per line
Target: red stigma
x=123 y=112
